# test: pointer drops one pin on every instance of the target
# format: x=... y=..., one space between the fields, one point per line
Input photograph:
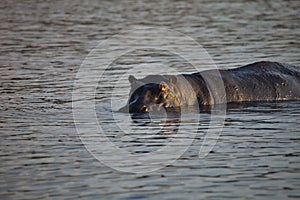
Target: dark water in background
x=42 y=44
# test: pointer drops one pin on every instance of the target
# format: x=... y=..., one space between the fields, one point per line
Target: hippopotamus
x=257 y=82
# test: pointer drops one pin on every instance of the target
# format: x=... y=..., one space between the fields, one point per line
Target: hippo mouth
x=157 y=108
x=155 y=112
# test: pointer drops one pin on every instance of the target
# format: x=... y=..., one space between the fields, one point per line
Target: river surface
x=42 y=155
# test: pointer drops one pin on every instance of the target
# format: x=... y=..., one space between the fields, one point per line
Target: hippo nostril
x=144 y=109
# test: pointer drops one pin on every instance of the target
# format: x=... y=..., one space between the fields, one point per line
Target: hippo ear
x=132 y=79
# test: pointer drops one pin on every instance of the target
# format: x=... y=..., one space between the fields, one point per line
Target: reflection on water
x=42 y=45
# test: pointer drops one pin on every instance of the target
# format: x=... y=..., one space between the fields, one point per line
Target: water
x=42 y=47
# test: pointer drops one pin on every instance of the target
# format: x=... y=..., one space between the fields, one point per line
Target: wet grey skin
x=258 y=82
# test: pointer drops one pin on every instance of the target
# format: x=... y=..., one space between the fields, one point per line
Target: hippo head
x=143 y=96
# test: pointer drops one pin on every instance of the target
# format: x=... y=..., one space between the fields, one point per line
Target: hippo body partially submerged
x=257 y=82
